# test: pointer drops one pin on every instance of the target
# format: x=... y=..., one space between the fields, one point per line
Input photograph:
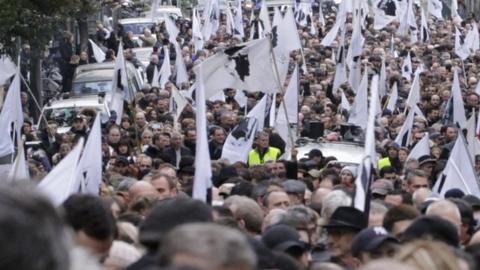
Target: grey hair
x=334 y=200
x=218 y=246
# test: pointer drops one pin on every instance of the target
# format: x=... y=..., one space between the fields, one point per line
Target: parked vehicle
x=64 y=111
x=97 y=78
x=345 y=152
x=137 y=26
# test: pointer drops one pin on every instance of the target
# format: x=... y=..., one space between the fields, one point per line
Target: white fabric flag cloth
x=240 y=140
x=239 y=32
x=461 y=50
x=356 y=42
x=472 y=40
x=424 y=33
x=156 y=77
x=459 y=117
x=211 y=17
x=89 y=173
x=179 y=103
x=19 y=170
x=355 y=75
x=407 y=69
x=422 y=148
x=202 y=179
x=11 y=113
x=404 y=137
x=98 y=53
x=407 y=20
x=392 y=101
x=273 y=111
x=277 y=17
x=246 y=66
x=291 y=97
x=472 y=139
x=166 y=69
x=61 y=181
x=229 y=22
x=172 y=30
x=282 y=127
x=344 y=104
x=339 y=24
x=7 y=68
x=196 y=31
x=385 y=12
x=284 y=40
x=382 y=80
x=364 y=173
x=435 y=8
x=120 y=91
x=304 y=13
x=359 y=112
x=265 y=18
x=459 y=171
x=454 y=12
x=414 y=96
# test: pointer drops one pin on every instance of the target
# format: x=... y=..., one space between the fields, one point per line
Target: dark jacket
x=172 y=156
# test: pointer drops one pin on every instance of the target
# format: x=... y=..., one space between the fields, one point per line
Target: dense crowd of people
x=272 y=211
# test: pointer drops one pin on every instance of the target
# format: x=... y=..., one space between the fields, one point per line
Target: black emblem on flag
x=274 y=36
x=242 y=65
x=388 y=6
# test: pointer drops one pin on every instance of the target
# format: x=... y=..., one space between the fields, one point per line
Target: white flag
x=291 y=97
x=179 y=103
x=166 y=69
x=359 y=112
x=458 y=107
x=407 y=21
x=404 y=137
x=265 y=18
x=385 y=12
x=304 y=13
x=172 y=30
x=120 y=91
x=89 y=173
x=414 y=95
x=211 y=18
x=459 y=171
x=472 y=139
x=382 y=80
x=196 y=31
x=356 y=42
x=435 y=8
x=11 y=113
x=181 y=69
x=19 y=170
x=472 y=40
x=61 y=181
x=203 y=168
x=454 y=12
x=239 y=32
x=461 y=49
x=7 y=68
x=407 y=68
x=284 y=40
x=355 y=75
x=156 y=77
x=422 y=148
x=364 y=171
x=273 y=111
x=424 y=35
x=239 y=141
x=246 y=66
x=344 y=104
x=98 y=53
x=340 y=21
x=392 y=100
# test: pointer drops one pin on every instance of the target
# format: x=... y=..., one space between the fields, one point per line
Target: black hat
x=370 y=239
x=432 y=228
x=348 y=218
x=426 y=159
x=454 y=193
x=282 y=237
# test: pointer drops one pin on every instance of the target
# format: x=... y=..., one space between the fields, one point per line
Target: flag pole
x=282 y=90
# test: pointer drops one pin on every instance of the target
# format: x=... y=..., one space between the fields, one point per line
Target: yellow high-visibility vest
x=271 y=155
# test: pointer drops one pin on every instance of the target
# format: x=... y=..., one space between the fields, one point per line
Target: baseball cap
x=426 y=159
x=370 y=239
x=382 y=187
x=282 y=237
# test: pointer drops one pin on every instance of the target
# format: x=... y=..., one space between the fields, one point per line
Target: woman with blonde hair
x=429 y=255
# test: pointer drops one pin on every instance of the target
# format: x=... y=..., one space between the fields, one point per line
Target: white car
x=137 y=26
x=64 y=112
x=345 y=152
x=161 y=12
